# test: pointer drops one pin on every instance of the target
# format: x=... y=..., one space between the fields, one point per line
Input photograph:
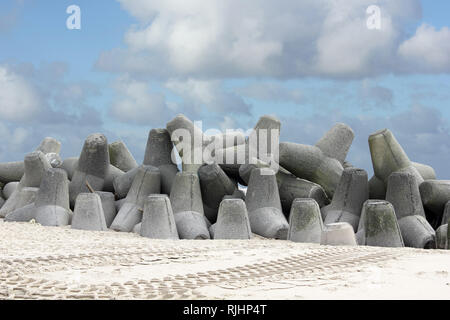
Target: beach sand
x=60 y=263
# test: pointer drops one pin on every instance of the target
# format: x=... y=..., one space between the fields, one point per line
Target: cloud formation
x=286 y=39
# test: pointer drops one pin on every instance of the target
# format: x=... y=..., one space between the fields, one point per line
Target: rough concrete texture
x=35 y=165
x=289 y=186
x=310 y=163
x=336 y=142
x=187 y=206
x=25 y=206
x=147 y=181
x=403 y=194
x=441 y=237
x=264 y=205
x=214 y=185
x=305 y=221
x=108 y=205
x=158 y=221
x=446 y=215
x=379 y=225
x=435 y=194
x=338 y=234
x=427 y=172
x=417 y=232
x=121 y=157
x=265 y=137
x=184 y=132
x=232 y=221
x=88 y=213
x=388 y=156
x=9 y=189
x=54 y=159
x=122 y=184
x=237 y=194
x=92 y=166
x=349 y=197
x=158 y=153
x=52 y=202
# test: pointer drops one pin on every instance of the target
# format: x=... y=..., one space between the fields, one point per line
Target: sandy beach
x=60 y=263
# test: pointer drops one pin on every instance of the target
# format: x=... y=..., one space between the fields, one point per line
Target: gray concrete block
x=9 y=189
x=310 y=163
x=88 y=213
x=93 y=165
x=158 y=153
x=377 y=189
x=180 y=129
x=435 y=194
x=427 y=172
x=338 y=234
x=403 y=193
x=35 y=165
x=417 y=232
x=264 y=205
x=108 y=205
x=187 y=206
x=214 y=185
x=336 y=142
x=232 y=221
x=158 y=221
x=379 y=225
x=349 y=197
x=305 y=221
x=147 y=181
x=121 y=157
x=388 y=156
x=441 y=237
x=122 y=184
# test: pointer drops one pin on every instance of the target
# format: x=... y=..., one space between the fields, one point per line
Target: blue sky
x=135 y=64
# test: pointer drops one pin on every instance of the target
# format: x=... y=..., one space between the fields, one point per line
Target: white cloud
x=137 y=104
x=282 y=39
x=428 y=49
x=200 y=95
x=271 y=91
x=19 y=100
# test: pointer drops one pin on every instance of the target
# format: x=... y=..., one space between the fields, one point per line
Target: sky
x=135 y=64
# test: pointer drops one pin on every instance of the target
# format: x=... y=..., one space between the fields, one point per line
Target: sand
x=59 y=263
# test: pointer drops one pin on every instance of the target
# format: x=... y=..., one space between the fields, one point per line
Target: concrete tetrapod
x=35 y=165
x=189 y=141
x=122 y=184
x=379 y=226
x=387 y=157
x=441 y=237
x=92 y=167
x=338 y=234
x=13 y=171
x=121 y=157
x=232 y=221
x=25 y=205
x=52 y=201
x=435 y=194
x=265 y=138
x=403 y=193
x=187 y=205
x=108 y=205
x=310 y=163
x=305 y=221
x=158 y=153
x=88 y=213
x=348 y=199
x=264 y=206
x=158 y=221
x=9 y=189
x=289 y=186
x=336 y=142
x=446 y=215
x=214 y=184
x=147 y=181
